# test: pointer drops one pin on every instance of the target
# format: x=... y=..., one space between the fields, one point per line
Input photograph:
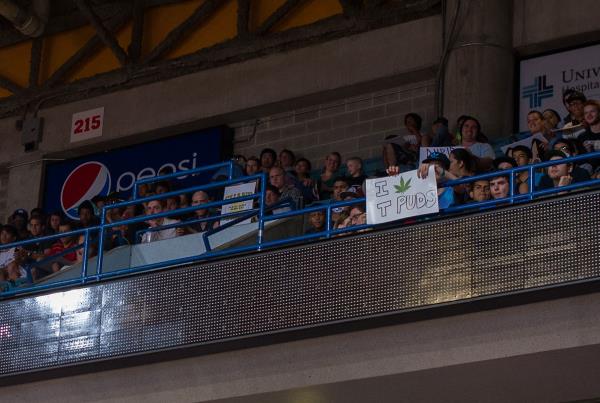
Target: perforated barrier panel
x=376 y=273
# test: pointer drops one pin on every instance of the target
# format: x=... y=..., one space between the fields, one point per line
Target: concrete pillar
x=479 y=70
x=24 y=184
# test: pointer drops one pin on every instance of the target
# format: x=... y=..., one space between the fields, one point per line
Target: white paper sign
x=402 y=196
x=87 y=125
x=425 y=152
x=532 y=143
x=234 y=191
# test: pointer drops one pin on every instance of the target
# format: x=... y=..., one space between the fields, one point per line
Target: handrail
x=228 y=164
x=512 y=198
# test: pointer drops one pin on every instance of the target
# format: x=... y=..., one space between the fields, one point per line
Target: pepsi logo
x=84 y=183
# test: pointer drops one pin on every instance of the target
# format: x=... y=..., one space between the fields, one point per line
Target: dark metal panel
x=346 y=279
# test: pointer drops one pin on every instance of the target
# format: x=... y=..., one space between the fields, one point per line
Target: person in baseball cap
x=19 y=220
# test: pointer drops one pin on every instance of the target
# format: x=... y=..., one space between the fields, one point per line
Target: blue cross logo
x=538 y=91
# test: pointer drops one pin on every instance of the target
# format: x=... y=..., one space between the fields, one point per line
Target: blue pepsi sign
x=69 y=183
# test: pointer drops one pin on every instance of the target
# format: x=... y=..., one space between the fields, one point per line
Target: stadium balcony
x=264 y=281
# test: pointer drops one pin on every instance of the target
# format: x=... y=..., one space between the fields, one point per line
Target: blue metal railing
x=260 y=213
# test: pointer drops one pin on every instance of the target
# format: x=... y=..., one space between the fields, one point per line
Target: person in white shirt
x=156 y=207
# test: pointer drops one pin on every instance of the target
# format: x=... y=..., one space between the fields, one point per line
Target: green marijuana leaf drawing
x=404 y=186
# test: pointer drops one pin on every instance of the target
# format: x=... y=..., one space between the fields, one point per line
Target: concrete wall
x=355 y=65
x=353 y=126
x=545 y=25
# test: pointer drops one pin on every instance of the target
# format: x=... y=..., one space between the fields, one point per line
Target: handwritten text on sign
x=402 y=196
x=87 y=125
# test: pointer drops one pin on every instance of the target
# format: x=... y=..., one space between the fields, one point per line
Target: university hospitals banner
x=70 y=182
x=543 y=80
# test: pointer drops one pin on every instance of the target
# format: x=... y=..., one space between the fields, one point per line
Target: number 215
x=87 y=124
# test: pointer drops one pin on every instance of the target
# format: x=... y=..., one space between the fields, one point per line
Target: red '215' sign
x=86 y=125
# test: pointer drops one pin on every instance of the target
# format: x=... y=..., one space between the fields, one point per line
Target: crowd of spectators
x=292 y=180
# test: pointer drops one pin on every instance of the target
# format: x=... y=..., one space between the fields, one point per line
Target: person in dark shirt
x=591 y=137
x=561 y=174
x=354 y=167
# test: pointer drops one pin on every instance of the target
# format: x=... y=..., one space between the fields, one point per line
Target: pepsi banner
x=544 y=79
x=68 y=183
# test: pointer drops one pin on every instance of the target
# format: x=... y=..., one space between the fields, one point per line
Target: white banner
x=528 y=142
x=544 y=79
x=231 y=192
x=402 y=196
x=425 y=152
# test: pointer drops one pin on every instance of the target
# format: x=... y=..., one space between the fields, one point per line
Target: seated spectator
x=571 y=148
x=561 y=174
x=440 y=135
x=11 y=258
x=199 y=198
x=316 y=222
x=36 y=250
x=277 y=178
x=19 y=220
x=484 y=152
x=268 y=156
x=551 y=119
x=162 y=187
x=535 y=124
x=415 y=139
x=353 y=217
x=252 y=166
x=480 y=190
x=172 y=203
x=272 y=195
x=184 y=200
x=53 y=223
x=502 y=163
x=499 y=187
x=339 y=186
x=92 y=249
x=286 y=161
x=38 y=212
x=87 y=217
x=523 y=156
x=591 y=137
x=395 y=155
x=354 y=168
x=157 y=207
x=328 y=175
x=62 y=245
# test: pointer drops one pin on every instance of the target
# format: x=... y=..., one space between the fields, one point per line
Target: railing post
x=86 y=243
x=531 y=181
x=230 y=170
x=101 y=242
x=511 y=183
x=328 y=220
x=261 y=210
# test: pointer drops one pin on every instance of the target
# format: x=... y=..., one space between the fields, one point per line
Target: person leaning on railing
x=157 y=207
x=560 y=174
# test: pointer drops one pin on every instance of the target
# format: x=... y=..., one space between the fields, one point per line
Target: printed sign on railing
x=402 y=196
x=234 y=191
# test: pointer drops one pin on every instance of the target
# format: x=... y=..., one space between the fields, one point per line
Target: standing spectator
x=157 y=207
x=484 y=152
x=287 y=159
x=87 y=218
x=304 y=182
x=415 y=138
x=328 y=175
x=277 y=178
x=252 y=166
x=268 y=156
x=573 y=101
x=535 y=124
x=591 y=137
x=440 y=136
x=19 y=220
x=354 y=168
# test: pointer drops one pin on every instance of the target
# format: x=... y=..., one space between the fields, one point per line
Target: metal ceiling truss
x=107 y=19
